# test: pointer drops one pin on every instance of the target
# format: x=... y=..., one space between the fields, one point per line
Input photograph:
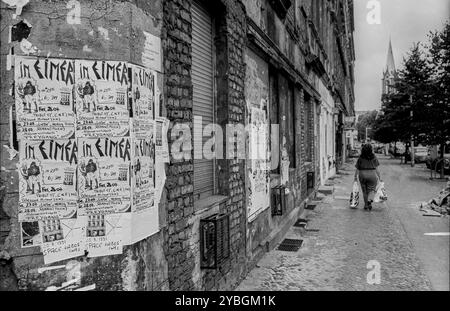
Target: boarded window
x=203 y=93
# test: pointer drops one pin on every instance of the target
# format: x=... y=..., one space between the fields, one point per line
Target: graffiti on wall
x=258 y=170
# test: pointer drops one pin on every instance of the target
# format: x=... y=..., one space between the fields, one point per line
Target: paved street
x=336 y=256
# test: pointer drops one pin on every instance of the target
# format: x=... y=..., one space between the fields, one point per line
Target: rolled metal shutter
x=203 y=93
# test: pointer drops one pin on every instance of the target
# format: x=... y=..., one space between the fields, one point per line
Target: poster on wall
x=104 y=179
x=161 y=143
x=101 y=98
x=103 y=234
x=62 y=238
x=143 y=83
x=145 y=221
x=47 y=179
x=151 y=56
x=43 y=97
x=259 y=167
x=30 y=236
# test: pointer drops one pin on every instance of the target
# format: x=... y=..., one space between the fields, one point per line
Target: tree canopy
x=420 y=104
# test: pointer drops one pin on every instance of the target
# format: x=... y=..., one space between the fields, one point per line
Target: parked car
x=398 y=151
x=420 y=154
x=432 y=160
x=354 y=153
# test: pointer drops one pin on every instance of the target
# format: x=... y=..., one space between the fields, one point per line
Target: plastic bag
x=354 y=196
x=380 y=195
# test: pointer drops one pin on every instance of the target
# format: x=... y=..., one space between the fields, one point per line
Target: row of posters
x=90 y=148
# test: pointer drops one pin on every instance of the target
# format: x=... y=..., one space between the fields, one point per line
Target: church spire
x=390 y=64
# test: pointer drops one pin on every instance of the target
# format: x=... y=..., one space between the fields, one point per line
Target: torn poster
x=30 y=235
x=145 y=220
x=160 y=179
x=101 y=94
x=62 y=238
x=143 y=99
x=104 y=235
x=161 y=143
x=104 y=184
x=43 y=97
x=151 y=56
x=259 y=168
x=284 y=171
x=47 y=179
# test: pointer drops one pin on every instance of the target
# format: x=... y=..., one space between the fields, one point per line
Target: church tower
x=389 y=73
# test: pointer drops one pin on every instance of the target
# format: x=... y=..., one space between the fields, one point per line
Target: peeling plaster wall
x=111 y=30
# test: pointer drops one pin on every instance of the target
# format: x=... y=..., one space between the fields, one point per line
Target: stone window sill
x=205 y=204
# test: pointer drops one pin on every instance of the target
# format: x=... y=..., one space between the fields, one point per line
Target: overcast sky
x=406 y=21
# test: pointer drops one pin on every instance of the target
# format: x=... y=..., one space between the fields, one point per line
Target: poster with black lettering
x=143 y=99
x=161 y=142
x=62 y=238
x=47 y=179
x=104 y=175
x=104 y=234
x=101 y=98
x=43 y=89
x=145 y=220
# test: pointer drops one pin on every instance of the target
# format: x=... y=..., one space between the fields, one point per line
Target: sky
x=406 y=22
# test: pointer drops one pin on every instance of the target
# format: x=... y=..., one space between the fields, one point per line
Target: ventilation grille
x=278 y=200
x=290 y=245
x=214 y=241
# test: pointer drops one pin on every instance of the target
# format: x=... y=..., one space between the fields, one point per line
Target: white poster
x=104 y=234
x=62 y=238
x=47 y=179
x=143 y=87
x=161 y=143
x=104 y=175
x=151 y=56
x=30 y=235
x=145 y=221
x=160 y=179
x=259 y=168
x=43 y=97
x=101 y=94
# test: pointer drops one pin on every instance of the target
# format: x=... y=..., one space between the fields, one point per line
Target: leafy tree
x=439 y=109
x=366 y=120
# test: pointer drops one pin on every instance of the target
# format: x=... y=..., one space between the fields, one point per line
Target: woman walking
x=368 y=173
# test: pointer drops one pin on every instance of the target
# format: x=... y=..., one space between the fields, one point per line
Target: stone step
x=312 y=205
x=326 y=190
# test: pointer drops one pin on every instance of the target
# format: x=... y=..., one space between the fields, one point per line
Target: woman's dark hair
x=367 y=152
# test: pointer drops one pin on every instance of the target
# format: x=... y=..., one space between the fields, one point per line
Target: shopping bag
x=380 y=195
x=354 y=196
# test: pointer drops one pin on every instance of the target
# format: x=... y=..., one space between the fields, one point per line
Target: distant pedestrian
x=368 y=173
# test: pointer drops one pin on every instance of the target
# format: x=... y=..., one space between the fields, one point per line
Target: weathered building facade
x=221 y=66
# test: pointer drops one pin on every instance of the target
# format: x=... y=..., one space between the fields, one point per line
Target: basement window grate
x=300 y=224
x=290 y=245
x=312 y=230
x=214 y=241
x=310 y=207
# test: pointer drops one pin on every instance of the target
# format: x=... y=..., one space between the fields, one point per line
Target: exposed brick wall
x=141 y=266
x=183 y=239
x=178 y=97
x=170 y=258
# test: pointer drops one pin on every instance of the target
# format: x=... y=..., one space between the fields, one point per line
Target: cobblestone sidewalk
x=336 y=256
